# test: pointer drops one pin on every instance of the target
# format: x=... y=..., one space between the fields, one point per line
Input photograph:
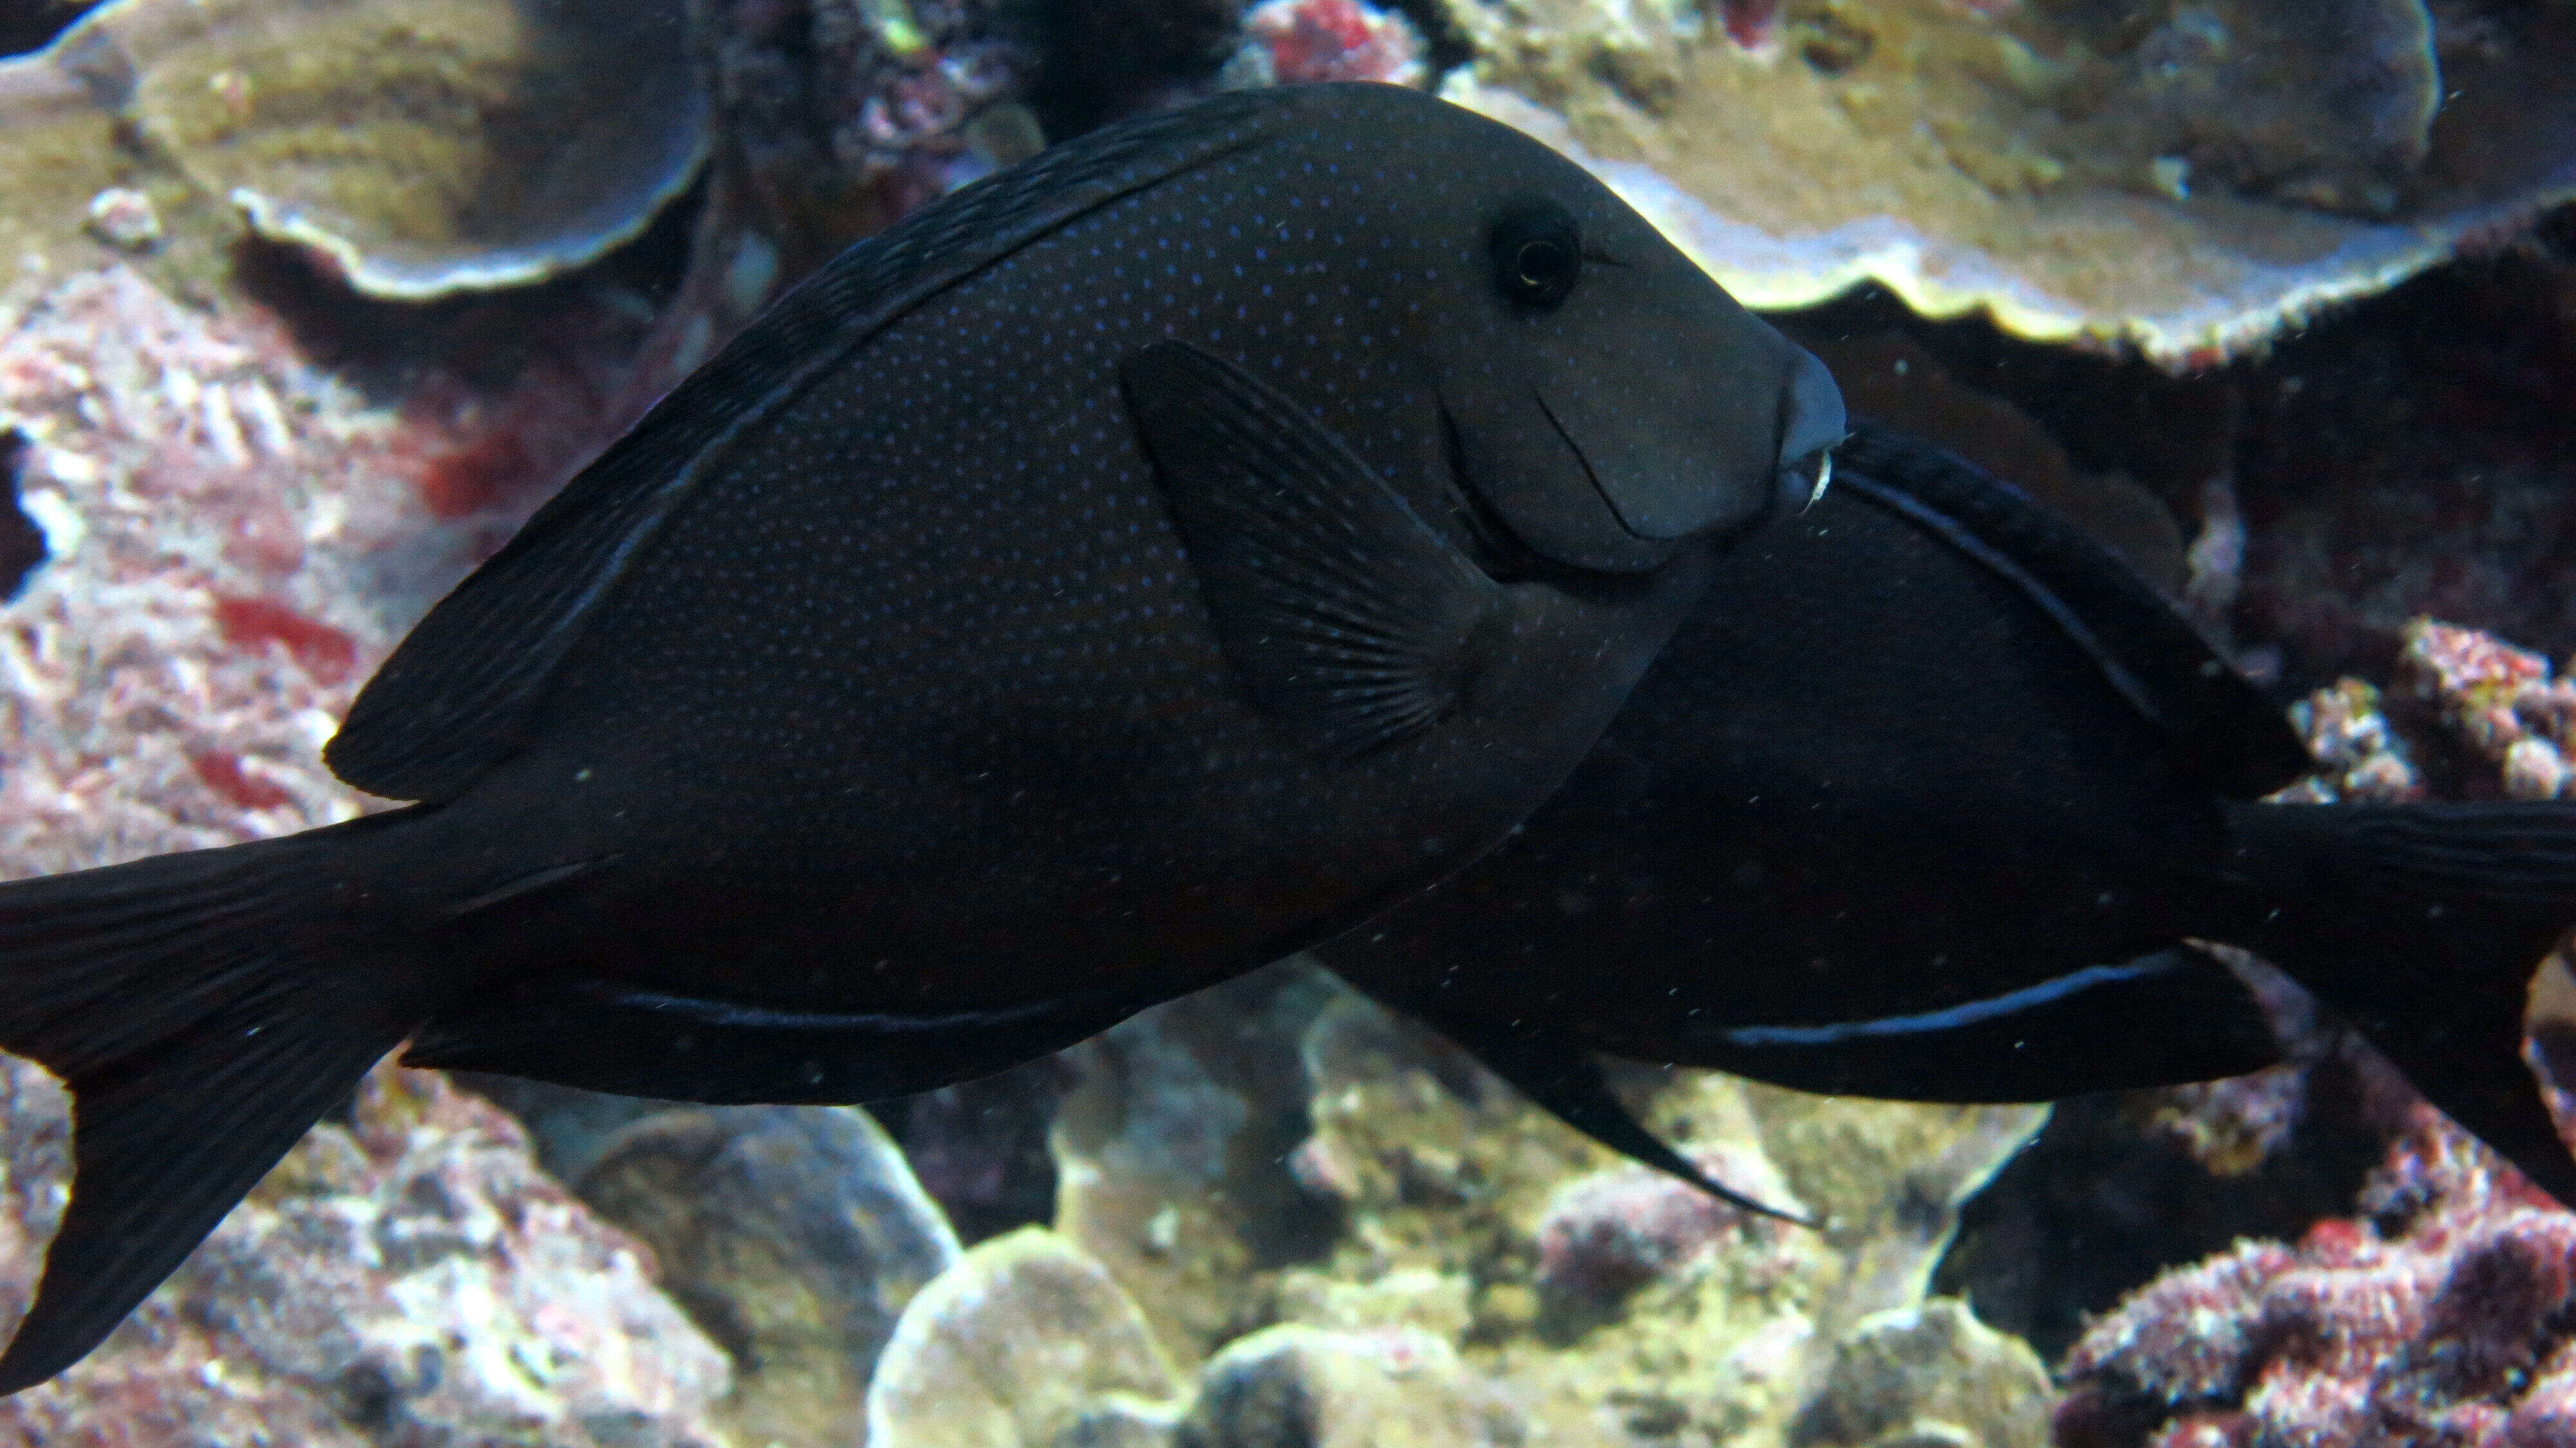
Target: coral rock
x=2501 y=699
x=1024 y=1343
x=834 y=119
x=2444 y=1319
x=1930 y=1374
x=1429 y=1203
x=1300 y=42
x=980 y=1147
x=2359 y=756
x=422 y=146
x=1169 y=1154
x=2187 y=1337
x=1609 y=1233
x=1298 y=1387
x=232 y=539
x=793 y=1235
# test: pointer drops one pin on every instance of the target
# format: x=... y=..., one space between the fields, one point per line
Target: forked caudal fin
x=2422 y=925
x=205 y=1009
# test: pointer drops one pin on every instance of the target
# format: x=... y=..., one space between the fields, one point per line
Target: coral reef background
x=2279 y=301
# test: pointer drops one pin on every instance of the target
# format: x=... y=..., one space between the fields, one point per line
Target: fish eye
x=1537 y=252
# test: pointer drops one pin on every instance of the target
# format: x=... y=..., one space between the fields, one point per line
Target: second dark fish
x=1932 y=799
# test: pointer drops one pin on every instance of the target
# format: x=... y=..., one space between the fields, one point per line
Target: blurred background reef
x=305 y=304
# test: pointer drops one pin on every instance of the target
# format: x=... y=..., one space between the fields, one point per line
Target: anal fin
x=1556 y=1071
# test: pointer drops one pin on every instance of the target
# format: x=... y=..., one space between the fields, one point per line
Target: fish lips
x=1812 y=425
x=1595 y=462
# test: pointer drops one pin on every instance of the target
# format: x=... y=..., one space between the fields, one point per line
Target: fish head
x=1607 y=400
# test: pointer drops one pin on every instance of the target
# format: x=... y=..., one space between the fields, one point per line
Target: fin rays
x=1352 y=624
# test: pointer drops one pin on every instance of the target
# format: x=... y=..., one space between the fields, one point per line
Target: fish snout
x=1812 y=425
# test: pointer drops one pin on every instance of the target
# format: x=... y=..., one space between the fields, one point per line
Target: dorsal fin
x=460 y=692
x=2228 y=734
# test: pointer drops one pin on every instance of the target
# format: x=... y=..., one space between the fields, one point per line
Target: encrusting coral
x=2185 y=178
x=421 y=146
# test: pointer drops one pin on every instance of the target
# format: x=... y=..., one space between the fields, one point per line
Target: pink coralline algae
x=2446 y=1317
x=2502 y=700
x=2359 y=756
x=1298 y=42
x=1612 y=1232
x=233 y=539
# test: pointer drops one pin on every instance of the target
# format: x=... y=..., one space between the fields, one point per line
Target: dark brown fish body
x=1139 y=566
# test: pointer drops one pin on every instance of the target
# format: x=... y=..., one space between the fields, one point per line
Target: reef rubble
x=2437 y=1316
x=407 y=1276
x=1278 y=1152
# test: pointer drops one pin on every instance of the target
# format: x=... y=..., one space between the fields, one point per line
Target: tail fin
x=2422 y=925
x=205 y=1009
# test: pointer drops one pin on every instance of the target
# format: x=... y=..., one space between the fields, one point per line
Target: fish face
x=1614 y=402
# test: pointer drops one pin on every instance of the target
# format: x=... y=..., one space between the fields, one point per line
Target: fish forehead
x=1342 y=258
x=1319 y=170
x=1336 y=259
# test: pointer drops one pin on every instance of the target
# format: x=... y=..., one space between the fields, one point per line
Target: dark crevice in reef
x=22 y=543
x=483 y=338
x=2408 y=454
x=1445 y=46
x=1105 y=59
x=980 y=1147
x=2101 y=1204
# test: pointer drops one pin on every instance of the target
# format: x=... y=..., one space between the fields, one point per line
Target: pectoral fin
x=1352 y=623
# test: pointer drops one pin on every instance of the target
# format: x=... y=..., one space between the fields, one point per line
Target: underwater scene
x=1297 y=724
